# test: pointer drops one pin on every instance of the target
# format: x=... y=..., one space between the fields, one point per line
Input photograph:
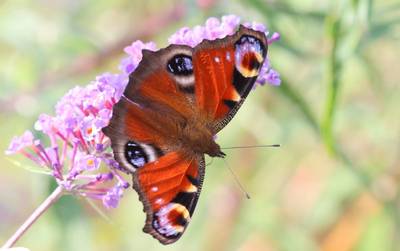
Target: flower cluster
x=76 y=145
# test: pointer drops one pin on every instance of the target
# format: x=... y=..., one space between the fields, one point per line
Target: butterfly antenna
x=255 y=146
x=236 y=180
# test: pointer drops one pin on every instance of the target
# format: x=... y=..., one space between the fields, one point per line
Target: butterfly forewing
x=225 y=72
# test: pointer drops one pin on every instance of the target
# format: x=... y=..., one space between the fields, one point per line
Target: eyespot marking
x=170 y=221
x=137 y=154
x=180 y=65
x=249 y=56
x=181 y=68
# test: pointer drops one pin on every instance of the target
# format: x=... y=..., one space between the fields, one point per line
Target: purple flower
x=256 y=26
x=268 y=75
x=111 y=199
x=19 y=143
x=230 y=21
x=134 y=51
x=77 y=146
x=275 y=37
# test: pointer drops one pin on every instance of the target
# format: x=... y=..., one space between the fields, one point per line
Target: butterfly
x=175 y=103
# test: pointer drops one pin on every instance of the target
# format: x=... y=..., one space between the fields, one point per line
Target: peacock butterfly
x=176 y=101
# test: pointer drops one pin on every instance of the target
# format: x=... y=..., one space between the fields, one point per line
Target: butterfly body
x=175 y=103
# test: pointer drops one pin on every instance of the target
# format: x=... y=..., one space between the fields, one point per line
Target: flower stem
x=57 y=193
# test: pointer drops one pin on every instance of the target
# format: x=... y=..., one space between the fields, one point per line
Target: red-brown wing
x=225 y=71
x=154 y=85
x=169 y=189
x=145 y=137
x=149 y=112
x=168 y=182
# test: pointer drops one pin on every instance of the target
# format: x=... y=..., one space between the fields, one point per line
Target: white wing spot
x=228 y=56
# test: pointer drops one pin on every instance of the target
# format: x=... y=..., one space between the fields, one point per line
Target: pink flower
x=134 y=51
x=77 y=145
x=19 y=143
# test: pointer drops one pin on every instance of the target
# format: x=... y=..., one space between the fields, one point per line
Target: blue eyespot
x=135 y=155
x=180 y=65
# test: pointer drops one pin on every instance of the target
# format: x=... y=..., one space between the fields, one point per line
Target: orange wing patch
x=213 y=74
x=161 y=180
x=163 y=90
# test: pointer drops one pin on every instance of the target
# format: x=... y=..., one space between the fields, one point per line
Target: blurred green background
x=332 y=186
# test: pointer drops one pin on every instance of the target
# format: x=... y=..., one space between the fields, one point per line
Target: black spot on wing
x=193 y=180
x=185 y=199
x=253 y=63
x=230 y=103
x=180 y=220
x=242 y=84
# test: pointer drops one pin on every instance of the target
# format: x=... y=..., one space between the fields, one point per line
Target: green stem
x=333 y=83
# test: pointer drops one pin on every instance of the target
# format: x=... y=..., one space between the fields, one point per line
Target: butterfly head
x=215 y=151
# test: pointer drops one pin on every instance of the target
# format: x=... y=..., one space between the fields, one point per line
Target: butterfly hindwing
x=169 y=189
x=168 y=182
